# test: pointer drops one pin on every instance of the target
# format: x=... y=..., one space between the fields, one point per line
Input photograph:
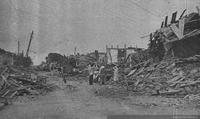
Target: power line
x=126 y=19
x=32 y=14
x=24 y=18
x=133 y=10
x=35 y=14
x=146 y=10
x=43 y=5
x=126 y=26
x=26 y=11
x=47 y=7
x=123 y=17
x=135 y=21
x=3 y=31
x=195 y=1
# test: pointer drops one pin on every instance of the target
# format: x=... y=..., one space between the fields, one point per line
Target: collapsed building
x=129 y=56
x=140 y=55
x=180 y=38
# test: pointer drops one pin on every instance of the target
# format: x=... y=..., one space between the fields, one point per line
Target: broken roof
x=185 y=27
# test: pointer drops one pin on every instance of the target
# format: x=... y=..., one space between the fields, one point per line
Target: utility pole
x=29 y=44
x=74 y=51
x=18 y=48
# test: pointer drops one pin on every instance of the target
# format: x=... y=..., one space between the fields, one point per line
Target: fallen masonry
x=17 y=81
x=171 y=67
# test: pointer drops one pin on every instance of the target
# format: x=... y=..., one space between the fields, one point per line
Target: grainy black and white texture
x=88 y=25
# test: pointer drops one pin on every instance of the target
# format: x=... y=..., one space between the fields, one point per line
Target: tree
x=23 y=61
x=61 y=59
x=54 y=57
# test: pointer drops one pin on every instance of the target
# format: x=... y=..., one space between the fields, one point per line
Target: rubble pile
x=175 y=77
x=85 y=60
x=18 y=82
x=180 y=38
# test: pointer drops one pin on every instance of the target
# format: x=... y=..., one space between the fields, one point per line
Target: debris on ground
x=171 y=77
x=17 y=81
x=172 y=68
x=177 y=78
x=112 y=92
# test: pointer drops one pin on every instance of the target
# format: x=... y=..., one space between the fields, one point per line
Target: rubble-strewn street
x=99 y=59
x=77 y=100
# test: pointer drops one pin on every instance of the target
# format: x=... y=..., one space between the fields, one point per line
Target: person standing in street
x=64 y=79
x=51 y=68
x=91 y=72
x=116 y=73
x=60 y=71
x=102 y=75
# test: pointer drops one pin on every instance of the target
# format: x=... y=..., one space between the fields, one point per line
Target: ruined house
x=98 y=55
x=118 y=55
x=180 y=38
x=140 y=55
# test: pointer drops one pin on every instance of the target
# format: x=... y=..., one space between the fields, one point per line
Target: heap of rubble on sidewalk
x=19 y=81
x=173 y=66
x=175 y=77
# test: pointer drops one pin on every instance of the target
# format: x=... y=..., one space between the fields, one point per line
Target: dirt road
x=77 y=100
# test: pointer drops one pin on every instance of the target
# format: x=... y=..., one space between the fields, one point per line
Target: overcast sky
x=88 y=25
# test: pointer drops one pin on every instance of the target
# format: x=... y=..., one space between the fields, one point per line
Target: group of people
x=96 y=73
x=57 y=70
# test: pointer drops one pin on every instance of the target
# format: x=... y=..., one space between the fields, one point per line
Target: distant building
x=118 y=55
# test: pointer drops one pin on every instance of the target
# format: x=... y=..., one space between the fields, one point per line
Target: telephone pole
x=18 y=48
x=29 y=44
x=75 y=51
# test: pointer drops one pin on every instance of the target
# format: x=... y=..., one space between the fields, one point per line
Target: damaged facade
x=179 y=39
x=118 y=55
x=140 y=55
x=129 y=56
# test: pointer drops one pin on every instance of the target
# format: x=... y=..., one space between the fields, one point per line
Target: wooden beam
x=166 y=18
x=5 y=93
x=13 y=94
x=173 y=20
x=162 y=24
x=196 y=20
x=198 y=10
x=181 y=26
x=178 y=31
x=145 y=36
x=182 y=14
x=5 y=80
